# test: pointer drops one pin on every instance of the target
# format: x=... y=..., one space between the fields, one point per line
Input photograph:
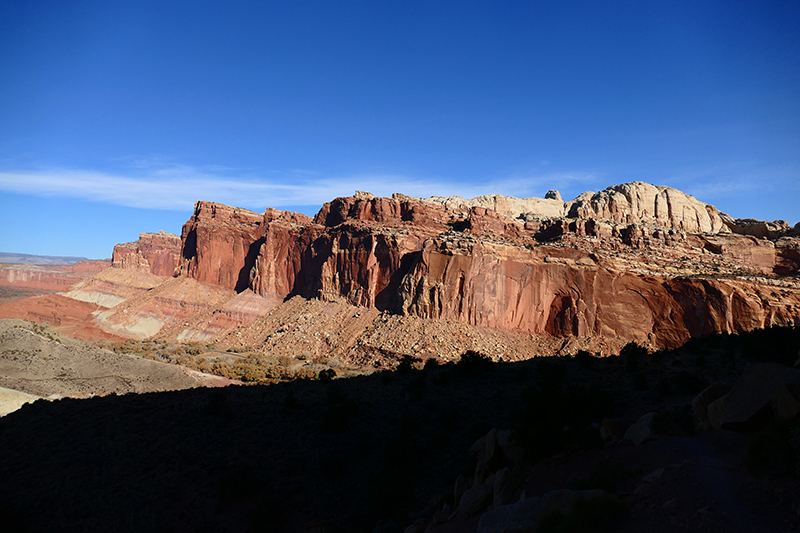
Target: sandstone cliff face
x=156 y=253
x=640 y=202
x=562 y=292
x=633 y=262
x=630 y=203
x=220 y=243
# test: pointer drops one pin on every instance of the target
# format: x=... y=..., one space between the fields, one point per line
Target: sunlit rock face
x=156 y=253
x=636 y=261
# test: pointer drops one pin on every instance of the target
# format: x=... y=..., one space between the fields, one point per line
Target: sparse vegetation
x=472 y=364
x=394 y=439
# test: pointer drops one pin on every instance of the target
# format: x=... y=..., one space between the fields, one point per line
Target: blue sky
x=116 y=116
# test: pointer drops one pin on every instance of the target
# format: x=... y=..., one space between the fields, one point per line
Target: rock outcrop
x=635 y=261
x=156 y=253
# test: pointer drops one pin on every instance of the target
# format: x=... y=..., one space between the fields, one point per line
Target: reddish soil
x=65 y=315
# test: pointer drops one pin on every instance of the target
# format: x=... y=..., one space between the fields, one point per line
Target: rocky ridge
x=435 y=277
x=635 y=261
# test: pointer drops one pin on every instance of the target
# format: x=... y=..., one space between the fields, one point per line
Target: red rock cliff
x=635 y=262
x=156 y=253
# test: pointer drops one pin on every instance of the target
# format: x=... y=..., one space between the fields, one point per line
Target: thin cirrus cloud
x=177 y=188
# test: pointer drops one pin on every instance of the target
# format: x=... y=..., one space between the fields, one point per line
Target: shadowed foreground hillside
x=380 y=452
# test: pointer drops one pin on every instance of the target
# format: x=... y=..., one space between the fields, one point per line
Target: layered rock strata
x=633 y=262
x=155 y=253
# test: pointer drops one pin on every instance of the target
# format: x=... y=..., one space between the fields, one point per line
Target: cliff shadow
x=243 y=281
x=389 y=299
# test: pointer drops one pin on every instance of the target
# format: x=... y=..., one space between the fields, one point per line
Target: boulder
x=526 y=514
x=506 y=481
x=476 y=499
x=642 y=430
x=459 y=489
x=786 y=402
x=701 y=402
x=490 y=456
x=750 y=402
x=610 y=430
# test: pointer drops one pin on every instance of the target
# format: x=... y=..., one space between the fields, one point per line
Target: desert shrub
x=240 y=349
x=632 y=353
x=658 y=356
x=591 y=515
x=473 y=364
x=606 y=475
x=431 y=362
x=406 y=365
x=584 y=358
x=326 y=375
x=304 y=373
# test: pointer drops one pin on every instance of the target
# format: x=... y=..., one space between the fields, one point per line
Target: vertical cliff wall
x=637 y=262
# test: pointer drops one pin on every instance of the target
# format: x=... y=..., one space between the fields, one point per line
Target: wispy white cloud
x=177 y=187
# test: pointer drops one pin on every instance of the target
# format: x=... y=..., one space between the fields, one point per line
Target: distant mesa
x=27 y=259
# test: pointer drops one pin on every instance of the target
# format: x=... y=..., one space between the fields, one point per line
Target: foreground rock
x=762 y=392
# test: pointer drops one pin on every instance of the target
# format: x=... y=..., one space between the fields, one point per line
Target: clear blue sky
x=116 y=116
